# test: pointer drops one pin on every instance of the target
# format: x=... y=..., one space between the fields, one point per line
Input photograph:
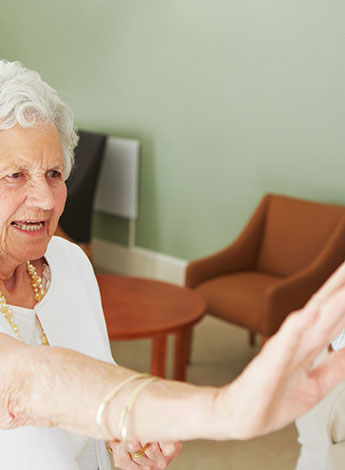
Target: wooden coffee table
x=143 y=308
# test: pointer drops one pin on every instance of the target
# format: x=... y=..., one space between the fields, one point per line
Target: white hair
x=27 y=100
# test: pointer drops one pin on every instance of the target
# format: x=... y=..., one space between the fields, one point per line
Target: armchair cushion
x=240 y=298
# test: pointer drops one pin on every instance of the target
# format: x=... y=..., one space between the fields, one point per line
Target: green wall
x=230 y=99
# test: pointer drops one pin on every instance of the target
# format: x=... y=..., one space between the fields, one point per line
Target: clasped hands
x=156 y=456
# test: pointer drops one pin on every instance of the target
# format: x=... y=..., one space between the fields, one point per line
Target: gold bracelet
x=125 y=412
x=111 y=394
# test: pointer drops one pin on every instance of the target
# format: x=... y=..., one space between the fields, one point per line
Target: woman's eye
x=14 y=176
x=54 y=174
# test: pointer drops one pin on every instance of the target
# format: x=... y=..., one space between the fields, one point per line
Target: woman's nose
x=40 y=195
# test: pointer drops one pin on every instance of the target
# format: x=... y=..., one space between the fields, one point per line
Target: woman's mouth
x=28 y=225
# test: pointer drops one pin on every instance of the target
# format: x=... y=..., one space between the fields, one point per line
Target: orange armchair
x=284 y=254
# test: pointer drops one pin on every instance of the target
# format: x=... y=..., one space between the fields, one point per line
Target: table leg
x=158 y=355
x=182 y=347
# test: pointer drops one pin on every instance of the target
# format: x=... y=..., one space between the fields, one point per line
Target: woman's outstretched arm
x=47 y=386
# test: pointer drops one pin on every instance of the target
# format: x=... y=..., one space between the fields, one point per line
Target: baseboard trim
x=139 y=262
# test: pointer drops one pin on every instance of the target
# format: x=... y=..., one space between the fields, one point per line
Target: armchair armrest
x=238 y=256
x=294 y=291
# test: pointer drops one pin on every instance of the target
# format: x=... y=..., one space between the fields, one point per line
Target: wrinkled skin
x=157 y=456
x=32 y=191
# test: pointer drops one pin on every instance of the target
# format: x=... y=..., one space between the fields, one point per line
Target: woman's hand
x=157 y=456
x=282 y=383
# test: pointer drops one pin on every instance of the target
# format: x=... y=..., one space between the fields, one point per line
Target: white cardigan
x=72 y=317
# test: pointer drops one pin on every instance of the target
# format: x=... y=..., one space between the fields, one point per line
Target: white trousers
x=322 y=434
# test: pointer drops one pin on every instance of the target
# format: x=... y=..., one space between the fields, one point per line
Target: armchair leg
x=252 y=338
x=189 y=340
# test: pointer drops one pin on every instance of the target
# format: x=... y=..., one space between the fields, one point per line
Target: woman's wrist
x=167 y=411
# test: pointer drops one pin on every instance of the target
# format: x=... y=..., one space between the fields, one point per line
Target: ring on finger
x=140 y=453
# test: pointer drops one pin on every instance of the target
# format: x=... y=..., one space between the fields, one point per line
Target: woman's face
x=32 y=190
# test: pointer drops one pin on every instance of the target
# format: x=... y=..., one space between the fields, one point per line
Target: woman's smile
x=29 y=226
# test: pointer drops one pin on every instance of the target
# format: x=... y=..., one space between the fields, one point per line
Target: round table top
x=141 y=308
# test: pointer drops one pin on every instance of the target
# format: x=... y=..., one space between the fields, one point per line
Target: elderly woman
x=61 y=396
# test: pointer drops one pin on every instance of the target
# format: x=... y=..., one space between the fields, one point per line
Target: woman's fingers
x=144 y=456
x=334 y=282
x=156 y=457
x=305 y=333
x=283 y=382
x=171 y=450
x=121 y=457
x=330 y=372
x=163 y=453
x=330 y=320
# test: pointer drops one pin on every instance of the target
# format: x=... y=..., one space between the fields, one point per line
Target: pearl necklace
x=39 y=293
